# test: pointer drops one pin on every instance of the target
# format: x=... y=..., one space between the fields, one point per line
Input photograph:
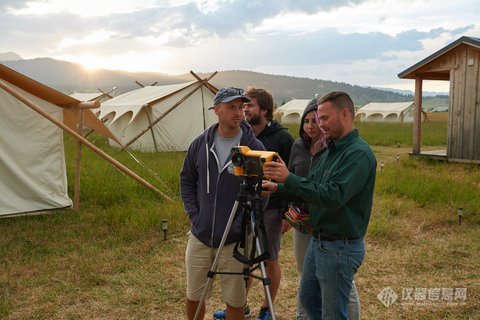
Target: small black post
x=460 y=214
x=164 y=228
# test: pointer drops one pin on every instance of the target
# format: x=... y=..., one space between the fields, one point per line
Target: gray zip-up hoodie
x=209 y=192
x=301 y=160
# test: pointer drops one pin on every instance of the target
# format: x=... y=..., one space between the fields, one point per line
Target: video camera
x=250 y=162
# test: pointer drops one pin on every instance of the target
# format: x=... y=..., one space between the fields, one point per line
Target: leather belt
x=326 y=237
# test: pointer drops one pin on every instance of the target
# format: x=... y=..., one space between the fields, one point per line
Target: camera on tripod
x=248 y=166
x=248 y=162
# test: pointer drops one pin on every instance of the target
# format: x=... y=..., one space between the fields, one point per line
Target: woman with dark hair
x=306 y=151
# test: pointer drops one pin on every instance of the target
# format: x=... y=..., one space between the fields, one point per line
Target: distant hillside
x=439 y=101
x=410 y=92
x=69 y=77
x=285 y=88
x=9 y=56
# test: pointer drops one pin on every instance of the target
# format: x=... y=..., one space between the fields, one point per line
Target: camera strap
x=259 y=227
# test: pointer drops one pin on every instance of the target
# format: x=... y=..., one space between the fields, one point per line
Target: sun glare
x=89 y=62
x=129 y=61
x=89 y=67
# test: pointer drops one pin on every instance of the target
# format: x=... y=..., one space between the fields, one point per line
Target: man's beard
x=254 y=120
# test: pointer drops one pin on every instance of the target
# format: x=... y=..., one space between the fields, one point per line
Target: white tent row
x=292 y=111
x=160 y=118
x=386 y=112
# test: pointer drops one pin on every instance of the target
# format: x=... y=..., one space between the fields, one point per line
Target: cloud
x=187 y=23
x=328 y=45
x=13 y=4
x=363 y=42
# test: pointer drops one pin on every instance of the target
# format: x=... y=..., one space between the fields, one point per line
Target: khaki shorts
x=198 y=261
x=272 y=219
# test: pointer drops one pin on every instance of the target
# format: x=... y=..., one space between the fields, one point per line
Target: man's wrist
x=279 y=187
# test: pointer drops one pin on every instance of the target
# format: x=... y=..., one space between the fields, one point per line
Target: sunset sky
x=359 y=42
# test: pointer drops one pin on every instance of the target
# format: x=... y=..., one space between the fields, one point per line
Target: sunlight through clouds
x=96 y=37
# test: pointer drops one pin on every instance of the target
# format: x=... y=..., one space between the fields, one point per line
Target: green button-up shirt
x=339 y=189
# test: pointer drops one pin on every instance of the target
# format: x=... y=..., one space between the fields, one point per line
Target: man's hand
x=268 y=188
x=276 y=170
x=285 y=226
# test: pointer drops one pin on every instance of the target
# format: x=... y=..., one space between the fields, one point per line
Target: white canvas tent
x=32 y=160
x=292 y=111
x=160 y=118
x=386 y=112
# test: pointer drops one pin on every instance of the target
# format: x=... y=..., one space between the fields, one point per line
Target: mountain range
x=69 y=77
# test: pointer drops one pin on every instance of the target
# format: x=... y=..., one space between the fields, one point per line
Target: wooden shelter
x=459 y=63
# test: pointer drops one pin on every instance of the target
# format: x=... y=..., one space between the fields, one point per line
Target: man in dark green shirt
x=339 y=190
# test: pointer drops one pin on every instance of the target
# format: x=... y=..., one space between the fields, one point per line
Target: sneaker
x=264 y=314
x=222 y=314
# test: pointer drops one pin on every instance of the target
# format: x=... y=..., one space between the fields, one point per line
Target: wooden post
x=417 y=116
x=81 y=107
x=76 y=195
x=87 y=143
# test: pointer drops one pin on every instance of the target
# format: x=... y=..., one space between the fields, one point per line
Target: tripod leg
x=213 y=268
x=246 y=267
x=262 y=270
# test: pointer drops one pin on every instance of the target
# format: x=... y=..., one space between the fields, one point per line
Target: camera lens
x=238 y=159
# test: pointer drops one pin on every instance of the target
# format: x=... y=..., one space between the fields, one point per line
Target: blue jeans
x=328 y=273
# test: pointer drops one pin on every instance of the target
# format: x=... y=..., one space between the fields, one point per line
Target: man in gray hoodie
x=209 y=192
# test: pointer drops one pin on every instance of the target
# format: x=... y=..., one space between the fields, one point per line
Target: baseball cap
x=228 y=94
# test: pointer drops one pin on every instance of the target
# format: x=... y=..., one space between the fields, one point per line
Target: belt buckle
x=326 y=238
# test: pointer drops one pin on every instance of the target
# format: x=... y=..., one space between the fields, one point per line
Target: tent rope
x=144 y=166
x=153 y=173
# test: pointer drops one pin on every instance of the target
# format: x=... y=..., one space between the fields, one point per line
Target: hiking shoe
x=264 y=314
x=222 y=314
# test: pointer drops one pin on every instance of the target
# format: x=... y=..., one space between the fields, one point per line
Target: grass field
x=109 y=260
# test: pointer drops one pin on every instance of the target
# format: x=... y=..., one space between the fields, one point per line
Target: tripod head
x=250 y=187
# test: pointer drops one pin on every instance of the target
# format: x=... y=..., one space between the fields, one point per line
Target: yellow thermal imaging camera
x=250 y=162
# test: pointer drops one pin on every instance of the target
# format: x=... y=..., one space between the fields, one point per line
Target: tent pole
x=76 y=196
x=90 y=145
x=151 y=130
x=207 y=84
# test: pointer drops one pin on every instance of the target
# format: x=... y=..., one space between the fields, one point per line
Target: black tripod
x=251 y=201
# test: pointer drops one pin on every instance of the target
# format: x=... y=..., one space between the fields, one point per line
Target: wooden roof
x=70 y=114
x=36 y=88
x=439 y=74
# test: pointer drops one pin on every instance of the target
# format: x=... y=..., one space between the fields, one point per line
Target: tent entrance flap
x=27 y=184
